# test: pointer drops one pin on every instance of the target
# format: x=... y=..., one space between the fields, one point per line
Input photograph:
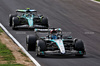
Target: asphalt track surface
x=80 y=17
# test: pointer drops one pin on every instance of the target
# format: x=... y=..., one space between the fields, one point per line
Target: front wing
x=67 y=52
x=27 y=26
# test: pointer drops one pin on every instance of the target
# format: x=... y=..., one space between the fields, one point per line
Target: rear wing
x=48 y=30
x=24 y=11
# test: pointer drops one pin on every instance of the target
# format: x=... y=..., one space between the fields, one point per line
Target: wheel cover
x=37 y=50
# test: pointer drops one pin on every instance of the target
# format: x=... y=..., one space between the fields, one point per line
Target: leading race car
x=27 y=19
x=54 y=42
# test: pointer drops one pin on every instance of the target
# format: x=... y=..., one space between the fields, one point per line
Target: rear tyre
x=79 y=46
x=31 y=42
x=45 y=22
x=10 y=19
x=15 y=22
x=40 y=48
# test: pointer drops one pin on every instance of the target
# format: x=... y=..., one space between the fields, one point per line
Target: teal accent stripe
x=80 y=52
x=30 y=22
x=42 y=52
x=55 y=42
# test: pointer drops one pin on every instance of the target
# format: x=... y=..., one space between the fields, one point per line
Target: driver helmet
x=28 y=15
x=53 y=34
x=53 y=31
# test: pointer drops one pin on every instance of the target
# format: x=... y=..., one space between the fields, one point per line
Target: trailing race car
x=54 y=42
x=27 y=19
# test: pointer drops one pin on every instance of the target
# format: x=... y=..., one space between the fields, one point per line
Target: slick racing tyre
x=31 y=42
x=79 y=46
x=45 y=22
x=15 y=22
x=40 y=48
x=10 y=19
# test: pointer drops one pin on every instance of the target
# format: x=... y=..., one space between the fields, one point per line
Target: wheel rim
x=27 y=46
x=13 y=24
x=37 y=51
x=9 y=24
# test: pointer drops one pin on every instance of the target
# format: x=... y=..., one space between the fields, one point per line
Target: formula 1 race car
x=54 y=42
x=27 y=19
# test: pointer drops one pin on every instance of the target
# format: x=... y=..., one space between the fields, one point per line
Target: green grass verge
x=22 y=53
x=7 y=55
x=97 y=0
x=11 y=65
x=1 y=30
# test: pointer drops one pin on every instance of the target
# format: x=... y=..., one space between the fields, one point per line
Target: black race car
x=54 y=42
x=27 y=19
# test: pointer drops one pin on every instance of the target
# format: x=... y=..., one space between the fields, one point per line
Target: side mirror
x=42 y=37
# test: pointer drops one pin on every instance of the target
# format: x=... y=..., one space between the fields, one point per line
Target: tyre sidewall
x=45 y=22
x=10 y=18
x=79 y=45
x=31 y=42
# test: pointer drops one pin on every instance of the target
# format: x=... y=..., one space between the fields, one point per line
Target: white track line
x=6 y=31
x=95 y=1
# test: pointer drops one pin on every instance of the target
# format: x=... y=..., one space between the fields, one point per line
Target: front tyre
x=79 y=46
x=40 y=48
x=10 y=19
x=45 y=22
x=31 y=42
x=15 y=22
